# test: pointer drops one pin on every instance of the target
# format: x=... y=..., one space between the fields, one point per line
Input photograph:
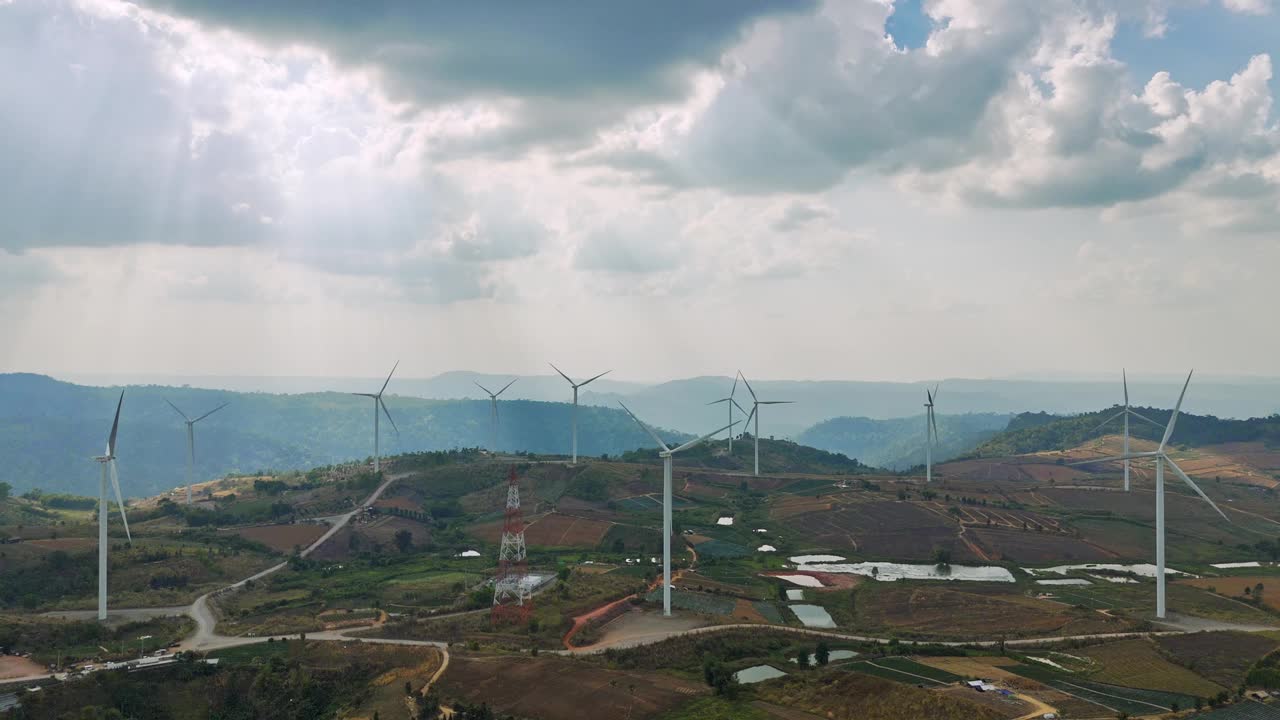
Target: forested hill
x=898 y=444
x=1037 y=432
x=49 y=430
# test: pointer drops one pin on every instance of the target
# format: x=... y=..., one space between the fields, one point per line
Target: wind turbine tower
x=1162 y=458
x=731 y=405
x=574 y=421
x=108 y=464
x=666 y=453
x=1125 y=412
x=930 y=432
x=191 y=442
x=378 y=403
x=755 y=412
x=493 y=413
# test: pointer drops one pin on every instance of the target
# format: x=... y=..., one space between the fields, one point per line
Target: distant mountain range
x=682 y=404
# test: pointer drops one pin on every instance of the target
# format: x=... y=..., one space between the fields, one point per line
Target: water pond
x=801 y=580
x=803 y=559
x=813 y=616
x=757 y=673
x=795 y=594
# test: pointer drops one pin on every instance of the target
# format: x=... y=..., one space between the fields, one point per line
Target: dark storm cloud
x=570 y=66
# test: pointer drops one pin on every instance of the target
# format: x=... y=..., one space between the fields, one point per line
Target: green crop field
x=1138 y=664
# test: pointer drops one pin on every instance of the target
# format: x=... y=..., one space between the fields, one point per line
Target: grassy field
x=1138 y=663
x=840 y=695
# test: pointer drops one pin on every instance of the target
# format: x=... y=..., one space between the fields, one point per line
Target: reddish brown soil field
x=885 y=529
x=945 y=611
x=561 y=689
x=1031 y=547
x=16 y=667
x=550 y=530
x=283 y=538
x=402 y=503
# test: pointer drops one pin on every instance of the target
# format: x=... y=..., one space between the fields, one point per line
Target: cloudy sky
x=857 y=189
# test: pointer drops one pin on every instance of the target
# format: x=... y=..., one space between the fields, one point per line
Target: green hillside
x=775 y=456
x=898 y=444
x=1036 y=432
x=49 y=430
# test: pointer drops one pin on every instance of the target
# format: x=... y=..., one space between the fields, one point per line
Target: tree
x=1257 y=592
x=822 y=653
x=404 y=540
x=802 y=658
x=941 y=557
x=718 y=676
x=408 y=689
x=5 y=489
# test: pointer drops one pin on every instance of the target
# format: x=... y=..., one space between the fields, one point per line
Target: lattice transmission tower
x=512 y=594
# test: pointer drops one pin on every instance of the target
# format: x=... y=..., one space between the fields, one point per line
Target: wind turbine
x=1125 y=412
x=666 y=454
x=930 y=432
x=1162 y=458
x=755 y=412
x=377 y=403
x=731 y=403
x=108 y=463
x=493 y=411
x=191 y=442
x=574 y=421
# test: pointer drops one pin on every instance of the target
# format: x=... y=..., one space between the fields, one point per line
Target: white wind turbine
x=731 y=403
x=377 y=403
x=666 y=454
x=1125 y=412
x=755 y=412
x=574 y=421
x=191 y=442
x=493 y=412
x=930 y=432
x=108 y=463
x=1162 y=458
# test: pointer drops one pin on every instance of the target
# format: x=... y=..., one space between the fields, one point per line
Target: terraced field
x=1138 y=664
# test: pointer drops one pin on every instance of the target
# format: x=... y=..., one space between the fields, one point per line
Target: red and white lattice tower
x=512 y=595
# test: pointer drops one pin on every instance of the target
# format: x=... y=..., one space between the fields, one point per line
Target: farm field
x=283 y=538
x=856 y=696
x=556 y=688
x=935 y=611
x=883 y=529
x=1222 y=657
x=1116 y=698
x=550 y=530
x=1234 y=587
x=1138 y=663
x=1035 y=548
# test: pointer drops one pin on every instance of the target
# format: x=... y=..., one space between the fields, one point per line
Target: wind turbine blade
x=691 y=443
x=933 y=423
x=749 y=388
x=1178 y=471
x=388 y=414
x=1104 y=422
x=777 y=402
x=1140 y=416
x=1173 y=419
x=647 y=429
x=928 y=397
x=115 y=426
x=721 y=400
x=485 y=389
x=210 y=412
x=365 y=394
x=935 y=392
x=747 y=422
x=1113 y=458
x=1125 y=377
x=115 y=485
x=388 y=381
x=734 y=389
x=566 y=377
x=584 y=382
x=735 y=403
x=504 y=387
x=175 y=409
